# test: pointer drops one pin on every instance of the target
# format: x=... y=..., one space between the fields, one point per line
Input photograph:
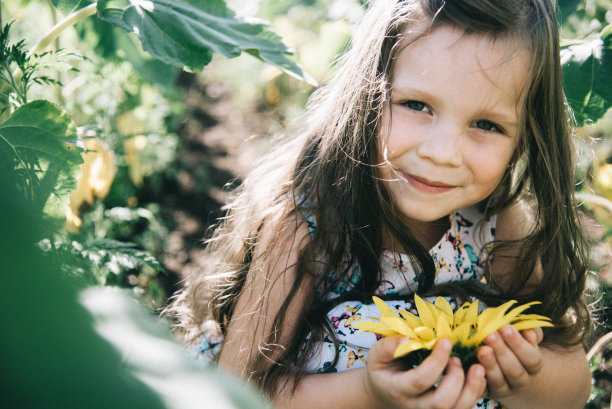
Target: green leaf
x=566 y=7
x=187 y=33
x=65 y=6
x=127 y=252
x=587 y=70
x=38 y=150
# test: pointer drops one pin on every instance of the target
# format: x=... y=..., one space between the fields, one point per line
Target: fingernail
x=509 y=331
x=492 y=337
x=479 y=372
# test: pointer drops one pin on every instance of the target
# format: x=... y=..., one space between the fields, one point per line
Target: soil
x=218 y=144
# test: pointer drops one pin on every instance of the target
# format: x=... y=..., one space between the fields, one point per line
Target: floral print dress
x=456 y=257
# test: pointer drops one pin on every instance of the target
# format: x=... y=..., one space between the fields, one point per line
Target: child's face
x=453 y=124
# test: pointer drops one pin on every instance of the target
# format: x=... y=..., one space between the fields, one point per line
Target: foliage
x=80 y=347
x=15 y=54
x=591 y=61
x=587 y=58
x=38 y=147
x=49 y=160
x=188 y=33
x=44 y=155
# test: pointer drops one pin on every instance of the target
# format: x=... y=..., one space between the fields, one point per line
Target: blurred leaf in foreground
x=48 y=341
x=57 y=354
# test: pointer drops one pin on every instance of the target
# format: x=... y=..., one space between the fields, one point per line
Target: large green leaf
x=587 y=77
x=38 y=151
x=187 y=33
x=65 y=6
x=48 y=340
x=90 y=349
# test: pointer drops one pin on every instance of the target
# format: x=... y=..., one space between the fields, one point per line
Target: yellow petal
x=398 y=324
x=374 y=327
x=412 y=320
x=523 y=317
x=443 y=328
x=493 y=314
x=427 y=315
x=459 y=316
x=407 y=347
x=385 y=310
x=444 y=306
x=515 y=312
x=529 y=324
x=425 y=333
x=462 y=333
x=467 y=313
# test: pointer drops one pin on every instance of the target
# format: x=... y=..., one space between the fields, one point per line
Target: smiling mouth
x=426 y=185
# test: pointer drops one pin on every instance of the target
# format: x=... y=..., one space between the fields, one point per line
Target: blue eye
x=487 y=126
x=416 y=105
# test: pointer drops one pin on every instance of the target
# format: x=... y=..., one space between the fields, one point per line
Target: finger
x=473 y=388
x=424 y=376
x=534 y=336
x=496 y=382
x=449 y=389
x=524 y=351
x=514 y=372
x=381 y=354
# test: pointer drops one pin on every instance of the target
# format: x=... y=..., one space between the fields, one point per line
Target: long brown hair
x=333 y=165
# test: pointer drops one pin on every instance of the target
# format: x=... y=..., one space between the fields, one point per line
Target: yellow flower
x=98 y=173
x=465 y=328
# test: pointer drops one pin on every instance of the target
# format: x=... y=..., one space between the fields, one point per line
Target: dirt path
x=218 y=146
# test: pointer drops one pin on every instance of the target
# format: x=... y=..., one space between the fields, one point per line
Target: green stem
x=58 y=90
x=12 y=81
x=595 y=199
x=57 y=29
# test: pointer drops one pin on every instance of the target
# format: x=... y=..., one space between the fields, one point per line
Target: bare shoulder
x=515 y=222
x=283 y=236
x=269 y=284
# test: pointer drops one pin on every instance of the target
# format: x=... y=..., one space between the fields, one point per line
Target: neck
x=426 y=233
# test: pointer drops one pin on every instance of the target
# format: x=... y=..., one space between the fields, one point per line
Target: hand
x=511 y=359
x=391 y=386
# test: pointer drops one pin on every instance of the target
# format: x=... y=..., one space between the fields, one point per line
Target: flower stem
x=56 y=31
x=595 y=199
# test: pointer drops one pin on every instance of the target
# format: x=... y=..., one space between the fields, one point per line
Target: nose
x=441 y=144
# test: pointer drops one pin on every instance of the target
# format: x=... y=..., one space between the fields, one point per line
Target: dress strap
x=309 y=216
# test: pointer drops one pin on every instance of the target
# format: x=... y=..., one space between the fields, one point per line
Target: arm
x=520 y=374
x=383 y=384
x=267 y=284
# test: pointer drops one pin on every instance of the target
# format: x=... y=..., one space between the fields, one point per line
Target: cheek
x=399 y=140
x=488 y=168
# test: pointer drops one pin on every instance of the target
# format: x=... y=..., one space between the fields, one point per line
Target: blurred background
x=165 y=146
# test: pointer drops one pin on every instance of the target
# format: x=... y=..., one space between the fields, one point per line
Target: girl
x=438 y=154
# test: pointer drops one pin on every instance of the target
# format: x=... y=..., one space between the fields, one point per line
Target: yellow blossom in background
x=133 y=146
x=465 y=328
x=97 y=175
